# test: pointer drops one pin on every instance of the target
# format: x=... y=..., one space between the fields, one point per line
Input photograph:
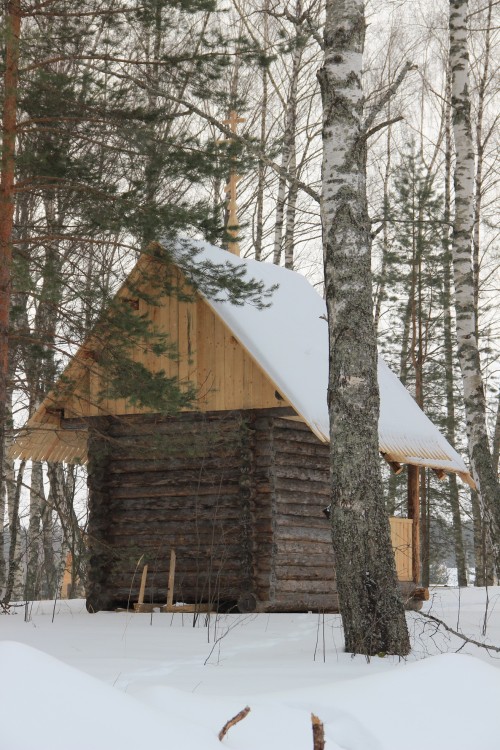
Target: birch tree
x=463 y=226
x=372 y=612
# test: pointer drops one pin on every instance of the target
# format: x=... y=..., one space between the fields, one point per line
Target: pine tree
x=100 y=157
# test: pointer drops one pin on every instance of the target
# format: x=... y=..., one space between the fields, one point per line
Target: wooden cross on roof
x=232 y=223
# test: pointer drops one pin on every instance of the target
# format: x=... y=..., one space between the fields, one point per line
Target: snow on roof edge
x=289 y=342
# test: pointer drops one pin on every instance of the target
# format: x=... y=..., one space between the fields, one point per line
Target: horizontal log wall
x=239 y=495
x=179 y=484
x=303 y=575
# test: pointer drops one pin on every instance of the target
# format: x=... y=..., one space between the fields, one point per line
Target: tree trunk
x=37 y=500
x=372 y=611
x=496 y=438
x=12 y=21
x=424 y=528
x=261 y=174
x=480 y=146
x=288 y=158
x=380 y=296
x=466 y=314
x=15 y=578
x=448 y=354
x=61 y=498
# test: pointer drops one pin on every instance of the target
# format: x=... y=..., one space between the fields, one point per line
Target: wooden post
x=414 y=514
x=171 y=578
x=143 y=585
x=67 y=577
x=232 y=217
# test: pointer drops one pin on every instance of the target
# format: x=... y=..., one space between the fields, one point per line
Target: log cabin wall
x=159 y=483
x=239 y=495
x=300 y=563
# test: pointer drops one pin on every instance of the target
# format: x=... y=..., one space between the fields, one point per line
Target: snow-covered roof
x=289 y=340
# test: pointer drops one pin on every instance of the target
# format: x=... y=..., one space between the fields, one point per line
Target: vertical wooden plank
x=173 y=332
x=401 y=530
x=238 y=378
x=229 y=384
x=182 y=311
x=219 y=368
x=94 y=387
x=143 y=585
x=192 y=353
x=171 y=580
x=204 y=347
x=148 y=359
x=247 y=367
x=414 y=514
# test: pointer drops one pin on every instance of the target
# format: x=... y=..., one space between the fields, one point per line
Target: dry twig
x=227 y=726
x=463 y=637
x=318 y=733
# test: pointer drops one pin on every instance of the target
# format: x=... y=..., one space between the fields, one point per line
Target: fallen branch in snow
x=227 y=726
x=463 y=637
x=318 y=733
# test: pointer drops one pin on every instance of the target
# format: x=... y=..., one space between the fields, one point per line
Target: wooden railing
x=401 y=530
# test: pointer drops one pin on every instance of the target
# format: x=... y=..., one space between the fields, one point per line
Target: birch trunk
x=448 y=356
x=288 y=158
x=466 y=315
x=480 y=146
x=381 y=293
x=372 y=612
x=291 y=210
x=3 y=568
x=496 y=438
x=37 y=501
x=261 y=175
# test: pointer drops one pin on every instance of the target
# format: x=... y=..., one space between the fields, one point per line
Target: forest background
x=122 y=138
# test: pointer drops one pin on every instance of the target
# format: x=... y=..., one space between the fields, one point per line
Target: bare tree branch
x=463 y=637
x=378 y=106
x=382 y=125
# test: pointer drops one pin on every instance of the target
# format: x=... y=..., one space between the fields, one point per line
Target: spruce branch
x=251 y=147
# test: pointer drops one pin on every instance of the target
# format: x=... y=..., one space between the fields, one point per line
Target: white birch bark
x=468 y=350
x=288 y=158
x=372 y=612
x=34 y=551
x=261 y=174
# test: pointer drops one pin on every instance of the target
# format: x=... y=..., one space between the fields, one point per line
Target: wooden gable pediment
x=224 y=374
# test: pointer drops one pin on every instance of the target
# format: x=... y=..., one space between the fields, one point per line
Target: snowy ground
x=121 y=681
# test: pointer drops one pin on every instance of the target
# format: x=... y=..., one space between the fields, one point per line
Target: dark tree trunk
x=12 y=31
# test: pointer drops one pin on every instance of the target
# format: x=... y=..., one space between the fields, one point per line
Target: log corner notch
x=396 y=467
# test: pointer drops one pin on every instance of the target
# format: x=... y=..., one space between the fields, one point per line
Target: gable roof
x=289 y=339
x=289 y=342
